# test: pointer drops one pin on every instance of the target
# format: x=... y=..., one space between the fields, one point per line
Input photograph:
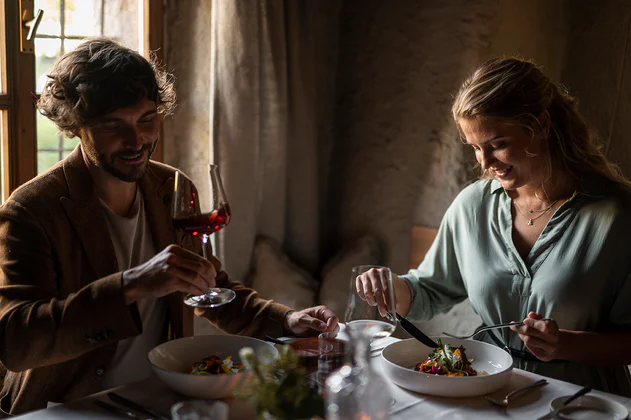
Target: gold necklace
x=532 y=219
x=543 y=210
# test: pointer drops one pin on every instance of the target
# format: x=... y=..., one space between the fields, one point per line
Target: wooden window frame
x=20 y=97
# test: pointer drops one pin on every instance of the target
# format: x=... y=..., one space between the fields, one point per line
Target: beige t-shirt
x=133 y=245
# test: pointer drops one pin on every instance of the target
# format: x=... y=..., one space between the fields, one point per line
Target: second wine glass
x=200 y=208
x=363 y=318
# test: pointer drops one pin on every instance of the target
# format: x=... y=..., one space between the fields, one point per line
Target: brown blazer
x=62 y=311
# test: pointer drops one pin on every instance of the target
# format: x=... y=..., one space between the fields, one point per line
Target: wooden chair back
x=422 y=239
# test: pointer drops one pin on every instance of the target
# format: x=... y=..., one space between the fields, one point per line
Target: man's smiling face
x=122 y=141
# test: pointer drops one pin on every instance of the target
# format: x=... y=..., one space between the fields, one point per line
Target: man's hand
x=175 y=269
x=311 y=321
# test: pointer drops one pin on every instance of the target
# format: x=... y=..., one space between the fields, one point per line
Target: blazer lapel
x=86 y=216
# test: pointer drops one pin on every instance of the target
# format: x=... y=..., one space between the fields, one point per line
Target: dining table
x=153 y=393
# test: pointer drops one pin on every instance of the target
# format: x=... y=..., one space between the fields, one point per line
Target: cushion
x=275 y=277
x=336 y=274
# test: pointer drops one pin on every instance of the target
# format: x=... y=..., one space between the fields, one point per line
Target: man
x=90 y=280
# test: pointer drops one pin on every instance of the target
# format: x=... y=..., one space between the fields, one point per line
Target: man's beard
x=109 y=165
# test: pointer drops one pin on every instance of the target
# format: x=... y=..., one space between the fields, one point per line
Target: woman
x=543 y=234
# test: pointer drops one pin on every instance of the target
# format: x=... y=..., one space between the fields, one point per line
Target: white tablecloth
x=153 y=393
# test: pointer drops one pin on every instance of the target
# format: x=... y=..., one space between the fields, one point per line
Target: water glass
x=331 y=353
x=199 y=410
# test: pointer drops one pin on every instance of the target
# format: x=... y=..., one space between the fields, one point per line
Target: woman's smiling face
x=514 y=156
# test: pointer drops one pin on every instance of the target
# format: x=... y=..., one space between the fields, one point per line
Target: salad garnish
x=213 y=365
x=447 y=360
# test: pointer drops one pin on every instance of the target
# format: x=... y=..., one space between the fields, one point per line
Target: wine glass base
x=215 y=297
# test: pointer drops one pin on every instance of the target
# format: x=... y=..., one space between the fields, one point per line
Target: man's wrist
x=129 y=292
x=286 y=326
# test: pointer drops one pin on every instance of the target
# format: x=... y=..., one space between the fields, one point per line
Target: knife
x=135 y=406
x=555 y=414
x=416 y=333
x=115 y=409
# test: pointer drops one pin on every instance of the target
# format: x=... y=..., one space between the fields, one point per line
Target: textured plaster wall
x=398 y=160
x=598 y=70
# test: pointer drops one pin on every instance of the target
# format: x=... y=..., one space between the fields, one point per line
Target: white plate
x=400 y=358
x=170 y=361
x=590 y=407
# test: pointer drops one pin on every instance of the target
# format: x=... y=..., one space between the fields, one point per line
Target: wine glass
x=364 y=322
x=361 y=317
x=200 y=208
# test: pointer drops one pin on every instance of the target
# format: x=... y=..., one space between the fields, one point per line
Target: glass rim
x=198 y=402
x=367 y=267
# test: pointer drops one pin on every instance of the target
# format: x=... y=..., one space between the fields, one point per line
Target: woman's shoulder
x=607 y=200
x=475 y=196
x=477 y=192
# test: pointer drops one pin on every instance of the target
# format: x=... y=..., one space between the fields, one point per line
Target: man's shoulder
x=162 y=170
x=45 y=188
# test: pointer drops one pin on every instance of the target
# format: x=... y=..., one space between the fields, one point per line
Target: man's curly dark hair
x=99 y=77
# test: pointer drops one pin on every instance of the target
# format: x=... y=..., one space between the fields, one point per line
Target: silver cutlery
x=116 y=409
x=555 y=414
x=416 y=333
x=489 y=327
x=504 y=403
x=135 y=406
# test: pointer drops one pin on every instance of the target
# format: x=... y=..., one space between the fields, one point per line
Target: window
x=30 y=143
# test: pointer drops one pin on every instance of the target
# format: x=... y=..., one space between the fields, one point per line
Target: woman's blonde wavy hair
x=514 y=91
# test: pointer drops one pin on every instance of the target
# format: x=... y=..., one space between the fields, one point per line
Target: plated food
x=401 y=358
x=171 y=361
x=213 y=365
x=449 y=361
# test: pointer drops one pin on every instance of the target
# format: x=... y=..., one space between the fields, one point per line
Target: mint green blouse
x=578 y=271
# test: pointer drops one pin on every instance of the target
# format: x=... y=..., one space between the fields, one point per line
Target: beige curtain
x=272 y=91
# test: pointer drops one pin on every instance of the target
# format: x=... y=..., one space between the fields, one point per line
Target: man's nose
x=134 y=138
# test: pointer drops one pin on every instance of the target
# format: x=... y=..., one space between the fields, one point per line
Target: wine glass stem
x=206 y=246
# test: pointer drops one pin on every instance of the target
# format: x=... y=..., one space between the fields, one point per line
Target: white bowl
x=400 y=358
x=170 y=361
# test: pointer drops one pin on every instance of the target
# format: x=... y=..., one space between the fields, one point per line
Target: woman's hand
x=372 y=287
x=542 y=338
x=310 y=321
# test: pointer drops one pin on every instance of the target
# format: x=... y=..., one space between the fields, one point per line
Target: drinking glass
x=332 y=353
x=200 y=410
x=200 y=208
x=361 y=317
x=363 y=322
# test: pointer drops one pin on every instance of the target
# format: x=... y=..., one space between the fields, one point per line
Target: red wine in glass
x=200 y=208
x=204 y=224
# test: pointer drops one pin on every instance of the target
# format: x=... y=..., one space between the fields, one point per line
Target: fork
x=504 y=403
x=489 y=327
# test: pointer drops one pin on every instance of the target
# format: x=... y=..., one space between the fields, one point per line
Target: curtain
x=272 y=92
